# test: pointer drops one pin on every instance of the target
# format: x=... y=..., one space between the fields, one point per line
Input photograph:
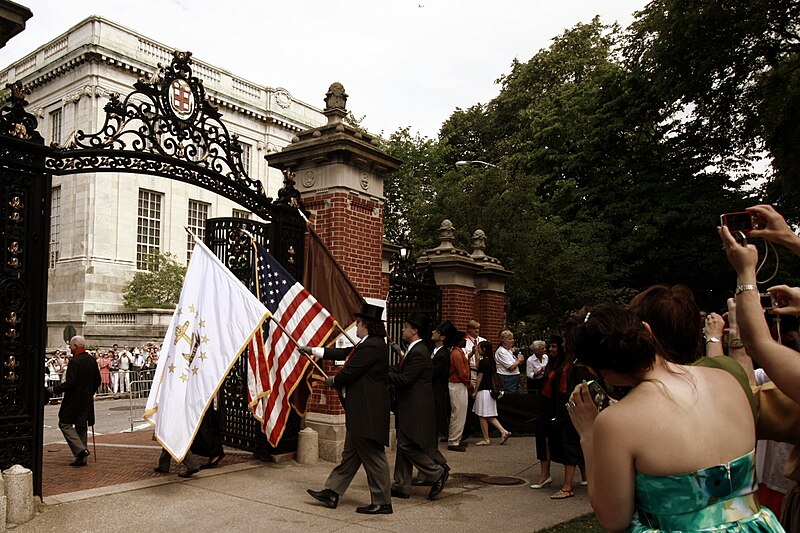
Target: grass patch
x=582 y=524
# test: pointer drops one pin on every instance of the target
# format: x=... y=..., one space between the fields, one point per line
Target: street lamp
x=484 y=163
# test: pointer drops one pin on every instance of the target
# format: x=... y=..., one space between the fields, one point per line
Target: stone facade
x=94 y=237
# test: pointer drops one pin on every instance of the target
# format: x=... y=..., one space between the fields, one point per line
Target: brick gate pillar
x=339 y=172
x=473 y=285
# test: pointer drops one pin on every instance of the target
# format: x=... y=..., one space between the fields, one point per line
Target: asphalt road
x=111 y=416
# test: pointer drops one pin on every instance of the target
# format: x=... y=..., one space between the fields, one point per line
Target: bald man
x=77 y=409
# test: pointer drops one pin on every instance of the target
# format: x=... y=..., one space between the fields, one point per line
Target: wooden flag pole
x=297 y=345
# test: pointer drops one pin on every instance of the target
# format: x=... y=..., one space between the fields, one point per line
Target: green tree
x=408 y=190
x=729 y=71
x=157 y=287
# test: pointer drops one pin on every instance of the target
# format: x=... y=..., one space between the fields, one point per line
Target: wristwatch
x=748 y=287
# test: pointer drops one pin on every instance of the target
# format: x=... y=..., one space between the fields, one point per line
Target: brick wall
x=491 y=310
x=458 y=305
x=352 y=228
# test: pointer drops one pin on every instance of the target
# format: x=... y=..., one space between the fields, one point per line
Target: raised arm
x=781 y=363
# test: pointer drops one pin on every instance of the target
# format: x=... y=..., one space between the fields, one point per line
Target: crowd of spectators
x=123 y=370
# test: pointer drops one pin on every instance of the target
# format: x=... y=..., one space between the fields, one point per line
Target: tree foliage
x=614 y=160
x=159 y=286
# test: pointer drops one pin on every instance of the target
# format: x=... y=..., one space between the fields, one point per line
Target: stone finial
x=478 y=244
x=446 y=234
x=336 y=98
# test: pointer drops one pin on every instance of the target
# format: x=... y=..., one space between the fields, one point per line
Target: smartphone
x=742 y=221
x=599 y=395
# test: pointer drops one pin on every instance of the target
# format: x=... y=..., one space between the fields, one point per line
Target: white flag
x=212 y=325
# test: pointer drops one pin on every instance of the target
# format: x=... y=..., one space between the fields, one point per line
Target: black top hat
x=449 y=331
x=417 y=319
x=371 y=312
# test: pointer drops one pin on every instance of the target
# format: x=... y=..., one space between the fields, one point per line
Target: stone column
x=473 y=285
x=339 y=173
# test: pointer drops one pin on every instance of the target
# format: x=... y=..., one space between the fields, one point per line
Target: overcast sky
x=402 y=62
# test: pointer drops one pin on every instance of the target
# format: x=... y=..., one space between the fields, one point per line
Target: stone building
x=104 y=225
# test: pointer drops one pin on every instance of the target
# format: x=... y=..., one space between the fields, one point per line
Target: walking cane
x=94 y=445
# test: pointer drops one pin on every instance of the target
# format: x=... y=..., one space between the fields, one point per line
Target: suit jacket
x=414 y=395
x=364 y=379
x=440 y=376
x=80 y=384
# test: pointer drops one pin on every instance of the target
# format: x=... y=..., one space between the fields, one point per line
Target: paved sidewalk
x=245 y=495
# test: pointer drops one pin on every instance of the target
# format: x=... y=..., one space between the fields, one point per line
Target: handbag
x=497 y=388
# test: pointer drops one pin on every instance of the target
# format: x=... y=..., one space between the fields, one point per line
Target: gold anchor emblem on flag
x=181 y=332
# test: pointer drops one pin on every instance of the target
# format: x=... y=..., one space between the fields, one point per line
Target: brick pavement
x=120 y=458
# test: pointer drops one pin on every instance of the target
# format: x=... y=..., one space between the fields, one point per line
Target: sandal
x=562 y=495
x=483 y=443
x=505 y=437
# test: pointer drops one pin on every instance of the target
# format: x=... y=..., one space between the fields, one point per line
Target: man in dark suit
x=416 y=423
x=442 y=338
x=77 y=409
x=362 y=383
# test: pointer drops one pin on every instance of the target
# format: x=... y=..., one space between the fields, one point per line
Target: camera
x=767 y=301
x=599 y=396
x=742 y=221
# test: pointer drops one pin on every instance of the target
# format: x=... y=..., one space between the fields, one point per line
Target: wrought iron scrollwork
x=14 y=120
x=167 y=115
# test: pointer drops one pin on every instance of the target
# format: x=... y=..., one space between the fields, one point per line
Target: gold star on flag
x=202 y=323
x=184 y=377
x=192 y=308
x=171 y=369
x=203 y=356
x=205 y=338
x=194 y=371
x=178 y=311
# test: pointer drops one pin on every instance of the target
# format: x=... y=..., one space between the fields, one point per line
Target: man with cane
x=77 y=409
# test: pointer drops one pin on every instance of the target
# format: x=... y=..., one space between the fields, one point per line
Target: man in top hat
x=416 y=424
x=362 y=385
x=443 y=337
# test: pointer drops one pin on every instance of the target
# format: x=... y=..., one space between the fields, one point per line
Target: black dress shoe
x=189 y=473
x=438 y=485
x=213 y=464
x=326 y=497
x=396 y=493
x=459 y=448
x=161 y=470
x=386 y=508
x=78 y=462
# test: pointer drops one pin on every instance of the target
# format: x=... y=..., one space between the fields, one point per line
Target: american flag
x=276 y=367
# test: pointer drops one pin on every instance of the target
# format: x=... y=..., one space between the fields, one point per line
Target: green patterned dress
x=720 y=499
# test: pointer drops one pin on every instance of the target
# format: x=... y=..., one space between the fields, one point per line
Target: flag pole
x=297 y=345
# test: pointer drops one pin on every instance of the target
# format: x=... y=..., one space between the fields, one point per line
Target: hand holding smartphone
x=598 y=394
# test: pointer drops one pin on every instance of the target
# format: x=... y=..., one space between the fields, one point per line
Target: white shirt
x=534 y=366
x=504 y=359
x=124 y=361
x=473 y=361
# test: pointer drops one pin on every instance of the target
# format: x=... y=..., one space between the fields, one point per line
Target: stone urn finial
x=446 y=234
x=478 y=244
x=336 y=98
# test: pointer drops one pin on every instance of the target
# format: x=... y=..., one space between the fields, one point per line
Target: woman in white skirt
x=486 y=406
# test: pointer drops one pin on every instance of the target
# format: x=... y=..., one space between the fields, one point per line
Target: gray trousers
x=370 y=453
x=75 y=435
x=165 y=459
x=410 y=454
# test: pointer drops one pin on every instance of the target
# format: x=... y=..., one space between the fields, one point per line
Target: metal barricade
x=141 y=382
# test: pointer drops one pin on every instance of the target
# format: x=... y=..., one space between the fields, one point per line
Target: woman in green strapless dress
x=677 y=453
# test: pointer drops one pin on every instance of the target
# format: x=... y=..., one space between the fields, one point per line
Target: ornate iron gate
x=411 y=289
x=166 y=127
x=25 y=190
x=283 y=237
